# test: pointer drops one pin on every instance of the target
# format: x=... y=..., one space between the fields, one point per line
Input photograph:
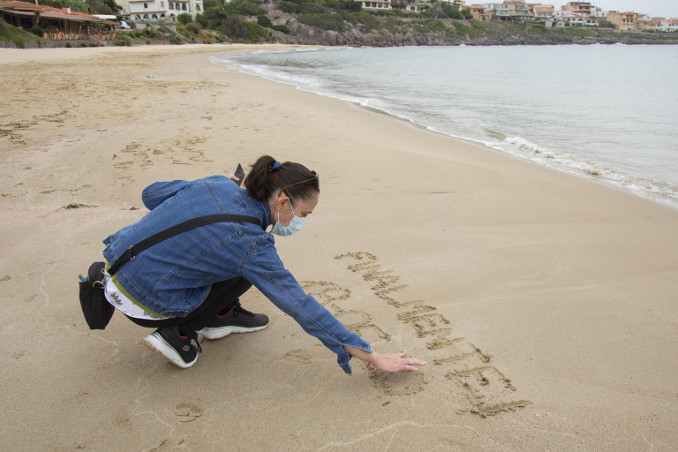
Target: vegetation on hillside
x=344 y=22
x=17 y=35
x=246 y=21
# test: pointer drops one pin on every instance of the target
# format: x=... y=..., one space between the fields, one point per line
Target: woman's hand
x=392 y=363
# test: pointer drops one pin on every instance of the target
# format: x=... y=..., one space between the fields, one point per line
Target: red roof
x=29 y=9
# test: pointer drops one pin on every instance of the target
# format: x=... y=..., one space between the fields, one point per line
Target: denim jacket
x=173 y=277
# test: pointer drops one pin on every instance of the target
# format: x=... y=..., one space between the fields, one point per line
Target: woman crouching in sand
x=191 y=282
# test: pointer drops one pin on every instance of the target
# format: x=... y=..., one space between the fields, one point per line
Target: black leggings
x=221 y=297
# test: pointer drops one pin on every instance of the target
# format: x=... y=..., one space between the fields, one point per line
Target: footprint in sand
x=297 y=356
x=188 y=412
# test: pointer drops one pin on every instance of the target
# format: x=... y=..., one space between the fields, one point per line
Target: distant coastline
x=451 y=32
x=382 y=33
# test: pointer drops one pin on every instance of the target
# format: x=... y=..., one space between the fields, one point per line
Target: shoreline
x=543 y=302
x=647 y=187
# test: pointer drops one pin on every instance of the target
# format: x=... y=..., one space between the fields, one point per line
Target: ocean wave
x=653 y=189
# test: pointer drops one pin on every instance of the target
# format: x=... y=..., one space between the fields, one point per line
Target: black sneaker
x=237 y=320
x=172 y=345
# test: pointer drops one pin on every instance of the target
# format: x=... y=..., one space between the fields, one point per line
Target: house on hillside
x=581 y=8
x=517 y=10
x=572 y=19
x=625 y=21
x=382 y=5
x=163 y=10
x=479 y=13
x=58 y=23
x=647 y=23
x=459 y=4
x=598 y=12
x=668 y=25
x=542 y=12
x=496 y=10
x=509 y=10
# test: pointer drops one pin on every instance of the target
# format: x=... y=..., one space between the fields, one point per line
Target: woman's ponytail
x=268 y=175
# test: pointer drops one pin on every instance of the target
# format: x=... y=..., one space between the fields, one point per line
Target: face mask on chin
x=294 y=226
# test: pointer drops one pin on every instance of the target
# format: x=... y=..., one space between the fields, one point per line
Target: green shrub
x=351 y=5
x=174 y=39
x=202 y=19
x=452 y=12
x=68 y=45
x=255 y=32
x=289 y=7
x=184 y=18
x=246 y=8
x=326 y=21
x=282 y=28
x=462 y=28
x=264 y=21
x=313 y=8
x=537 y=28
x=242 y=31
x=37 y=31
x=193 y=28
x=150 y=32
x=431 y=25
x=366 y=20
x=581 y=31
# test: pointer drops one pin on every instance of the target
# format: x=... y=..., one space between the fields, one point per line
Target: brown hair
x=267 y=177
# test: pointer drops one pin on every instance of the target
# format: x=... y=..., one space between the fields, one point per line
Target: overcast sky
x=655 y=8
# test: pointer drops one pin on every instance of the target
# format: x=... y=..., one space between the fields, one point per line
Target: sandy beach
x=545 y=304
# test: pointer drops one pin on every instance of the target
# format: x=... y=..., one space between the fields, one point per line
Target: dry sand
x=545 y=304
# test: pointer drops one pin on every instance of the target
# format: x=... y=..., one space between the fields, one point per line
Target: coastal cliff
x=420 y=36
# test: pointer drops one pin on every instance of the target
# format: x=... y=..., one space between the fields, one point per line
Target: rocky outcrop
x=304 y=34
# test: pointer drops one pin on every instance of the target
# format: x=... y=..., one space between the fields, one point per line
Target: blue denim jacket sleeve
x=155 y=194
x=265 y=270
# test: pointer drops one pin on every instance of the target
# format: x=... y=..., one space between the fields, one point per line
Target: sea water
x=608 y=112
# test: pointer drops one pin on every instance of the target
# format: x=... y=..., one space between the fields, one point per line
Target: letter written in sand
x=487 y=390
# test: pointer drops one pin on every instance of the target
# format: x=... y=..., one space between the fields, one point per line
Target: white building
x=497 y=10
x=375 y=4
x=598 y=12
x=163 y=10
x=668 y=25
x=570 y=19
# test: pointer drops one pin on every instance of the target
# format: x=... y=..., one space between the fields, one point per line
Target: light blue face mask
x=294 y=226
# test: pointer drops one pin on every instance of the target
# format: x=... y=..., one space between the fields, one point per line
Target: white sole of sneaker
x=157 y=344
x=221 y=332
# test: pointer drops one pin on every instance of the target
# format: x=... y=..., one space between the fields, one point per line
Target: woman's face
x=302 y=209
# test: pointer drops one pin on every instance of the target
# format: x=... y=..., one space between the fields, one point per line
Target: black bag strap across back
x=133 y=250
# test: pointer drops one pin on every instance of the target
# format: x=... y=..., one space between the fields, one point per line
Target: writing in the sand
x=485 y=390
